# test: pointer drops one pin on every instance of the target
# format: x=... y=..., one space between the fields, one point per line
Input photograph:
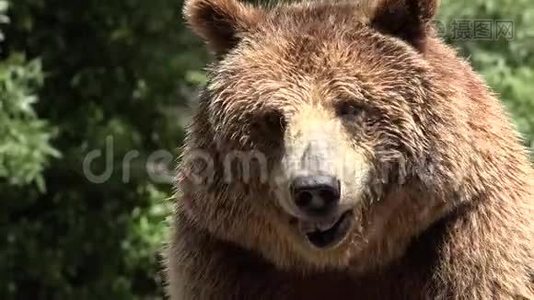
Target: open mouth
x=328 y=233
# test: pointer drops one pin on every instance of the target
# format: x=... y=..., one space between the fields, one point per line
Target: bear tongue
x=323 y=225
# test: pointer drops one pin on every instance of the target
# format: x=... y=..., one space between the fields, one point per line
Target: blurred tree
x=117 y=71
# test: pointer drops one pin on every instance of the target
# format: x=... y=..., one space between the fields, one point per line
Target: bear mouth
x=329 y=233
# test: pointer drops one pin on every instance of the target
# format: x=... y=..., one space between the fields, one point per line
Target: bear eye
x=272 y=122
x=275 y=120
x=348 y=110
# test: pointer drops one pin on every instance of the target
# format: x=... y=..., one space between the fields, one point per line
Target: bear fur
x=439 y=183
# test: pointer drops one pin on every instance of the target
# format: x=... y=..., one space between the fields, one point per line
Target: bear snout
x=316 y=196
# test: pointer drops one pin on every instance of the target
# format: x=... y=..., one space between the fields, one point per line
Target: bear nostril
x=303 y=199
x=328 y=196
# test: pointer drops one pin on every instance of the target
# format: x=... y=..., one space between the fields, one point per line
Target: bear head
x=323 y=137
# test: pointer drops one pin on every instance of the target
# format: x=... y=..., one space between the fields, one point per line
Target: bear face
x=317 y=127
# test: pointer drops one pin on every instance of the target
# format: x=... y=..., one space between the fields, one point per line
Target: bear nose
x=317 y=195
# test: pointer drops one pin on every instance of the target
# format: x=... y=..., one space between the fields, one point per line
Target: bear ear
x=409 y=20
x=220 y=22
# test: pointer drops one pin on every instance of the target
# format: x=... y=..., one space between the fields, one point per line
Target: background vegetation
x=75 y=72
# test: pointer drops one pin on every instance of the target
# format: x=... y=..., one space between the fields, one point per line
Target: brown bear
x=341 y=150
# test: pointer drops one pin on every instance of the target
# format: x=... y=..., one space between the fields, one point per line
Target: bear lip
x=327 y=233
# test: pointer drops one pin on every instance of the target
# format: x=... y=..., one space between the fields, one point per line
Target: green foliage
x=24 y=139
x=123 y=71
x=113 y=69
